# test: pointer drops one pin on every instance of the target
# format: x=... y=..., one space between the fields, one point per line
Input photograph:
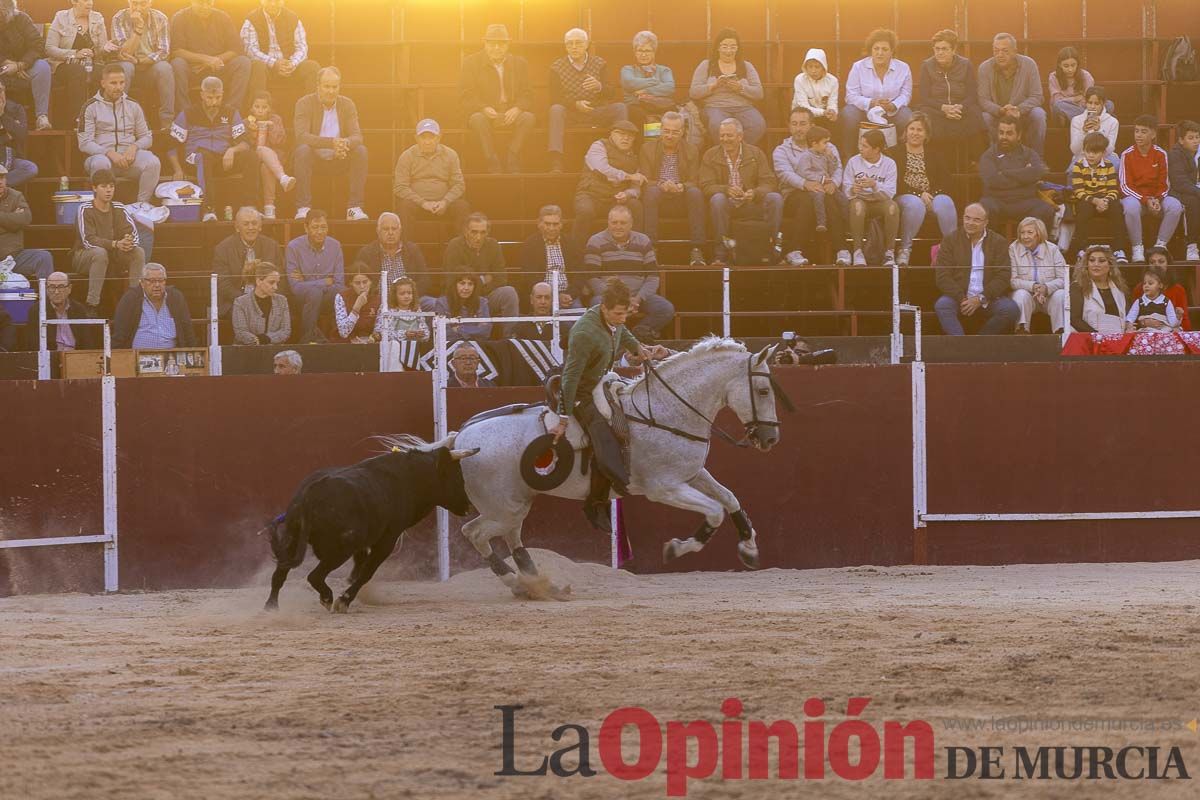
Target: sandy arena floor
x=201 y=695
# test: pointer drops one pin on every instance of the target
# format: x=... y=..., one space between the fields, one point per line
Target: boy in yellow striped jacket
x=1096 y=190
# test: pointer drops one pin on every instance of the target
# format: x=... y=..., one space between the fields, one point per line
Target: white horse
x=671 y=411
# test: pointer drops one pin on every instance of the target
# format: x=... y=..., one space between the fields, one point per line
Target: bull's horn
x=459 y=455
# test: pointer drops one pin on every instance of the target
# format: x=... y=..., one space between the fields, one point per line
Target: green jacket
x=590 y=355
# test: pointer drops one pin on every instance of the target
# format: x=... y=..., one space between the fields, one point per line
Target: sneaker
x=797 y=259
x=356 y=214
x=822 y=228
x=287 y=183
x=43 y=122
x=302 y=212
x=697 y=258
x=889 y=258
x=268 y=212
x=209 y=216
x=1119 y=256
x=1139 y=254
x=1193 y=252
x=904 y=256
x=860 y=260
x=843 y=258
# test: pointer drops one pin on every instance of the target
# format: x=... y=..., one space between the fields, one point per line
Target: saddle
x=607 y=399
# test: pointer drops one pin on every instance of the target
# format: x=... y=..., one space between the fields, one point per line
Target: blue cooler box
x=186 y=210
x=18 y=303
x=66 y=205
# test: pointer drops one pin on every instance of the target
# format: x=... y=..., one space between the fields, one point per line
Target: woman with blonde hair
x=1039 y=275
x=1098 y=293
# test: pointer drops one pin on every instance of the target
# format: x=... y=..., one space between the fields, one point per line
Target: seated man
x=15 y=217
x=610 y=177
x=738 y=181
x=580 y=92
x=391 y=253
x=1144 y=182
x=497 y=95
x=22 y=65
x=142 y=35
x=114 y=137
x=671 y=167
x=597 y=341
x=14 y=129
x=974 y=276
x=464 y=370
x=316 y=272
x=810 y=179
x=106 y=239
x=237 y=250
x=623 y=253
x=1185 y=182
x=59 y=305
x=477 y=252
x=287 y=362
x=214 y=143
x=153 y=316
x=329 y=140
x=428 y=183
x=204 y=42
x=1010 y=85
x=1010 y=173
x=547 y=251
x=541 y=304
x=275 y=41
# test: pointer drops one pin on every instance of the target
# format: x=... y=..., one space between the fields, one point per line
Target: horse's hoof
x=748 y=554
x=341 y=606
x=327 y=603
x=272 y=605
x=680 y=547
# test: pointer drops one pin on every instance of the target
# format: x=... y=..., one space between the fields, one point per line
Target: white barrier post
x=919 y=460
x=1067 y=329
x=43 y=349
x=897 y=349
x=555 y=339
x=726 y=319
x=108 y=433
x=385 y=344
x=440 y=430
x=214 y=342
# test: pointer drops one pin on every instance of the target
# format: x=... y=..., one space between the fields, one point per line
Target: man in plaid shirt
x=579 y=91
x=277 y=45
x=142 y=34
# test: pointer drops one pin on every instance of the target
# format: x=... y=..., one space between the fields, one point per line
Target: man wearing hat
x=610 y=177
x=428 y=183
x=496 y=95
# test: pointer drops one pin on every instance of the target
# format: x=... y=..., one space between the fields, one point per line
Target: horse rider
x=597 y=340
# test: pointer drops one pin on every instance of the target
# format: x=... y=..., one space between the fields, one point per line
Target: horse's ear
x=764 y=354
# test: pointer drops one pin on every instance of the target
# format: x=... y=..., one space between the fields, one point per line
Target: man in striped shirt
x=623 y=253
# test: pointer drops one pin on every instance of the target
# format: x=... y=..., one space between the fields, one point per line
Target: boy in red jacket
x=1144 y=185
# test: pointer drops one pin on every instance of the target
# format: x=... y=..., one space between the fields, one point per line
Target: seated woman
x=922 y=182
x=1160 y=259
x=946 y=91
x=1098 y=293
x=77 y=44
x=262 y=316
x=1068 y=87
x=1039 y=275
x=1094 y=119
x=878 y=81
x=355 y=310
x=464 y=302
x=726 y=85
x=649 y=87
x=402 y=323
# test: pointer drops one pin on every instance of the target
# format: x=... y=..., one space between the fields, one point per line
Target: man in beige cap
x=496 y=95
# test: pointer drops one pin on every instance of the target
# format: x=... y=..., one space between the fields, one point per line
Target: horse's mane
x=407 y=443
x=709 y=344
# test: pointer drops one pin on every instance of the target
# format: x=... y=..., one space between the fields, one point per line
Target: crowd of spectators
x=867 y=162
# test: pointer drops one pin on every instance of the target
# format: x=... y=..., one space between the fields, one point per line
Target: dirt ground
x=202 y=695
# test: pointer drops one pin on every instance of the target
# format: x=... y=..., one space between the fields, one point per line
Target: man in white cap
x=496 y=96
x=428 y=183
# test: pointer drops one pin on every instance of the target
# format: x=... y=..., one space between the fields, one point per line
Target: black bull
x=362 y=511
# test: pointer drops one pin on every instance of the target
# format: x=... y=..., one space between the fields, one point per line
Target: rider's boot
x=608 y=472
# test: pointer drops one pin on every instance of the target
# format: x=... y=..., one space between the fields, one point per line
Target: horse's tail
x=289 y=539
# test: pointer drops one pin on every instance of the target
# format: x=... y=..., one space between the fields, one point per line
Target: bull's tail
x=289 y=540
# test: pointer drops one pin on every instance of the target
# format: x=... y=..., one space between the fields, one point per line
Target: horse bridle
x=750 y=427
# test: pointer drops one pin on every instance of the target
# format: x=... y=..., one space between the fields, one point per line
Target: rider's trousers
x=604 y=444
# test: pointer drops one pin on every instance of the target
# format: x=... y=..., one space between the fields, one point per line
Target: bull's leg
x=364 y=570
x=277 y=578
x=748 y=544
x=317 y=577
x=691 y=499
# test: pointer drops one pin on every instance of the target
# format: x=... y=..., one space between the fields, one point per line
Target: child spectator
x=1144 y=183
x=1094 y=119
x=403 y=322
x=815 y=88
x=869 y=182
x=1160 y=259
x=820 y=164
x=270 y=137
x=1185 y=181
x=1096 y=193
x=1153 y=311
x=355 y=310
x=463 y=302
x=1069 y=84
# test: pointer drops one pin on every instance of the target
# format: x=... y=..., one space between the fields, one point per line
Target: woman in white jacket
x=815 y=87
x=1098 y=293
x=1039 y=275
x=1094 y=119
